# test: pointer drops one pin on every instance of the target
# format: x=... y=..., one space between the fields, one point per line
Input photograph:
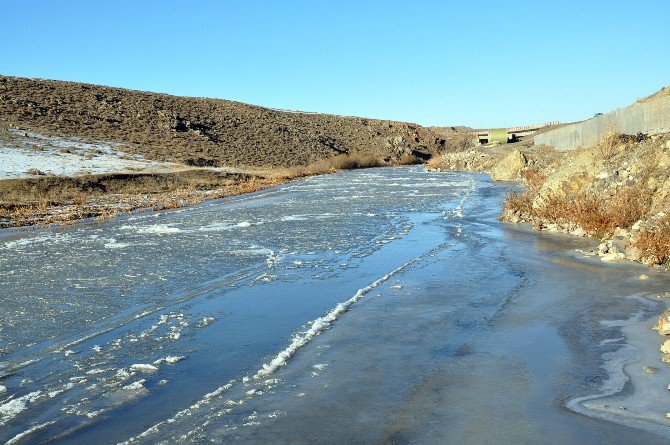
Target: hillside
x=200 y=131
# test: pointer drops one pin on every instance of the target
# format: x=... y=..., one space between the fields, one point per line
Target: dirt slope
x=199 y=131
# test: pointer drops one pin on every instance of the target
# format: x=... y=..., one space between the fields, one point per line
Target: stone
x=620 y=243
x=650 y=369
x=633 y=253
x=644 y=276
x=579 y=232
x=612 y=256
x=665 y=347
x=620 y=232
x=663 y=325
x=508 y=168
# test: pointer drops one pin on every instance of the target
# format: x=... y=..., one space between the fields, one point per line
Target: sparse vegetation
x=63 y=199
x=654 y=243
x=519 y=203
x=534 y=179
x=343 y=162
x=595 y=214
x=606 y=148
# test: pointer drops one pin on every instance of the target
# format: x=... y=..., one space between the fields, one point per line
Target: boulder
x=633 y=253
x=509 y=167
x=663 y=325
x=665 y=347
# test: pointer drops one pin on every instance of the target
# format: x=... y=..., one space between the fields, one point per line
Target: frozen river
x=370 y=306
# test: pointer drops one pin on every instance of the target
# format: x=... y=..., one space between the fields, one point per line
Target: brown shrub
x=629 y=205
x=409 y=160
x=596 y=214
x=516 y=202
x=654 y=244
x=534 y=178
x=606 y=148
x=343 y=162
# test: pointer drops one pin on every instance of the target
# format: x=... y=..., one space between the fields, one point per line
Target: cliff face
x=199 y=131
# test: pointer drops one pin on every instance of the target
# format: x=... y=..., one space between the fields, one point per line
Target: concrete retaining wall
x=644 y=117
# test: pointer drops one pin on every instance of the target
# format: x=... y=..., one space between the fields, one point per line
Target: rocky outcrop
x=509 y=168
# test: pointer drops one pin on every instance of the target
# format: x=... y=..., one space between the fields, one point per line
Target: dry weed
x=654 y=244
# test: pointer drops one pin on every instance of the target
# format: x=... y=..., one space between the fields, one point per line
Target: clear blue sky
x=477 y=63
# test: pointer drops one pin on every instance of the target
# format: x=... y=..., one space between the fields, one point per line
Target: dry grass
x=519 y=202
x=63 y=200
x=534 y=179
x=36 y=172
x=596 y=214
x=344 y=162
x=607 y=147
x=654 y=244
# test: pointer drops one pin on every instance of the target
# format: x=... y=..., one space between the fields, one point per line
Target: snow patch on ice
x=136 y=386
x=319 y=325
x=19 y=437
x=206 y=321
x=143 y=368
x=206 y=399
x=157 y=229
x=113 y=244
x=170 y=360
x=12 y=408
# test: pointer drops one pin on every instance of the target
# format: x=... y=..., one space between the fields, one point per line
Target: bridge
x=512 y=134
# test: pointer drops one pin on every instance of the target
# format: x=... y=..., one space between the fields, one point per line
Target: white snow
x=170 y=360
x=11 y=409
x=206 y=321
x=136 y=386
x=142 y=367
x=159 y=229
x=47 y=154
x=113 y=244
x=19 y=437
x=319 y=325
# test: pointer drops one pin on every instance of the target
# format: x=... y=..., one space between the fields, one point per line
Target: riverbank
x=38 y=198
x=617 y=191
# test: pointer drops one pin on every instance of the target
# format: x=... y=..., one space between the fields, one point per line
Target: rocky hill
x=200 y=131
